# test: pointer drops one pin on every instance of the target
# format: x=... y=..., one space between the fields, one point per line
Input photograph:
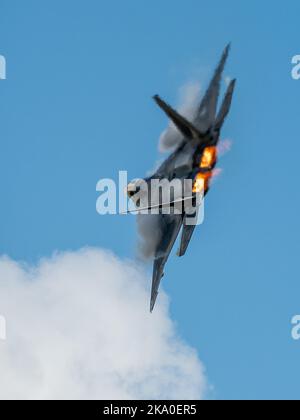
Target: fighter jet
x=195 y=158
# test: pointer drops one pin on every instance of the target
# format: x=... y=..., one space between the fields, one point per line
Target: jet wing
x=169 y=226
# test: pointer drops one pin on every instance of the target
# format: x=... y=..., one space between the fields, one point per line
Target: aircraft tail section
x=187 y=129
x=208 y=107
x=225 y=107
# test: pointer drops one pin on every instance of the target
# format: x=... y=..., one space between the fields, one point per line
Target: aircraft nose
x=131 y=190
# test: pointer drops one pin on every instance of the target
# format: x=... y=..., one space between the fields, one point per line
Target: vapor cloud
x=78 y=326
x=149 y=235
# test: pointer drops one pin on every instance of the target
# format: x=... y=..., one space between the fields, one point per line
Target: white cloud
x=78 y=326
x=188 y=99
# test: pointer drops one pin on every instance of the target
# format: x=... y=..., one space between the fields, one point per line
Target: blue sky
x=76 y=107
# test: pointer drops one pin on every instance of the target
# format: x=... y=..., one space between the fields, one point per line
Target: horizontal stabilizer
x=187 y=129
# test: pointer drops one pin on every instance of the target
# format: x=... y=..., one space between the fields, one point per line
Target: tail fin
x=208 y=107
x=225 y=108
x=187 y=129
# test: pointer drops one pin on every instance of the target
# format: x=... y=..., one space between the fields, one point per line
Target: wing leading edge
x=170 y=226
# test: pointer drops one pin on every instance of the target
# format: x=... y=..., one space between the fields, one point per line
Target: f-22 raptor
x=195 y=158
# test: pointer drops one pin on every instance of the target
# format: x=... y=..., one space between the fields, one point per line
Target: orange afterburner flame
x=208 y=161
x=209 y=157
